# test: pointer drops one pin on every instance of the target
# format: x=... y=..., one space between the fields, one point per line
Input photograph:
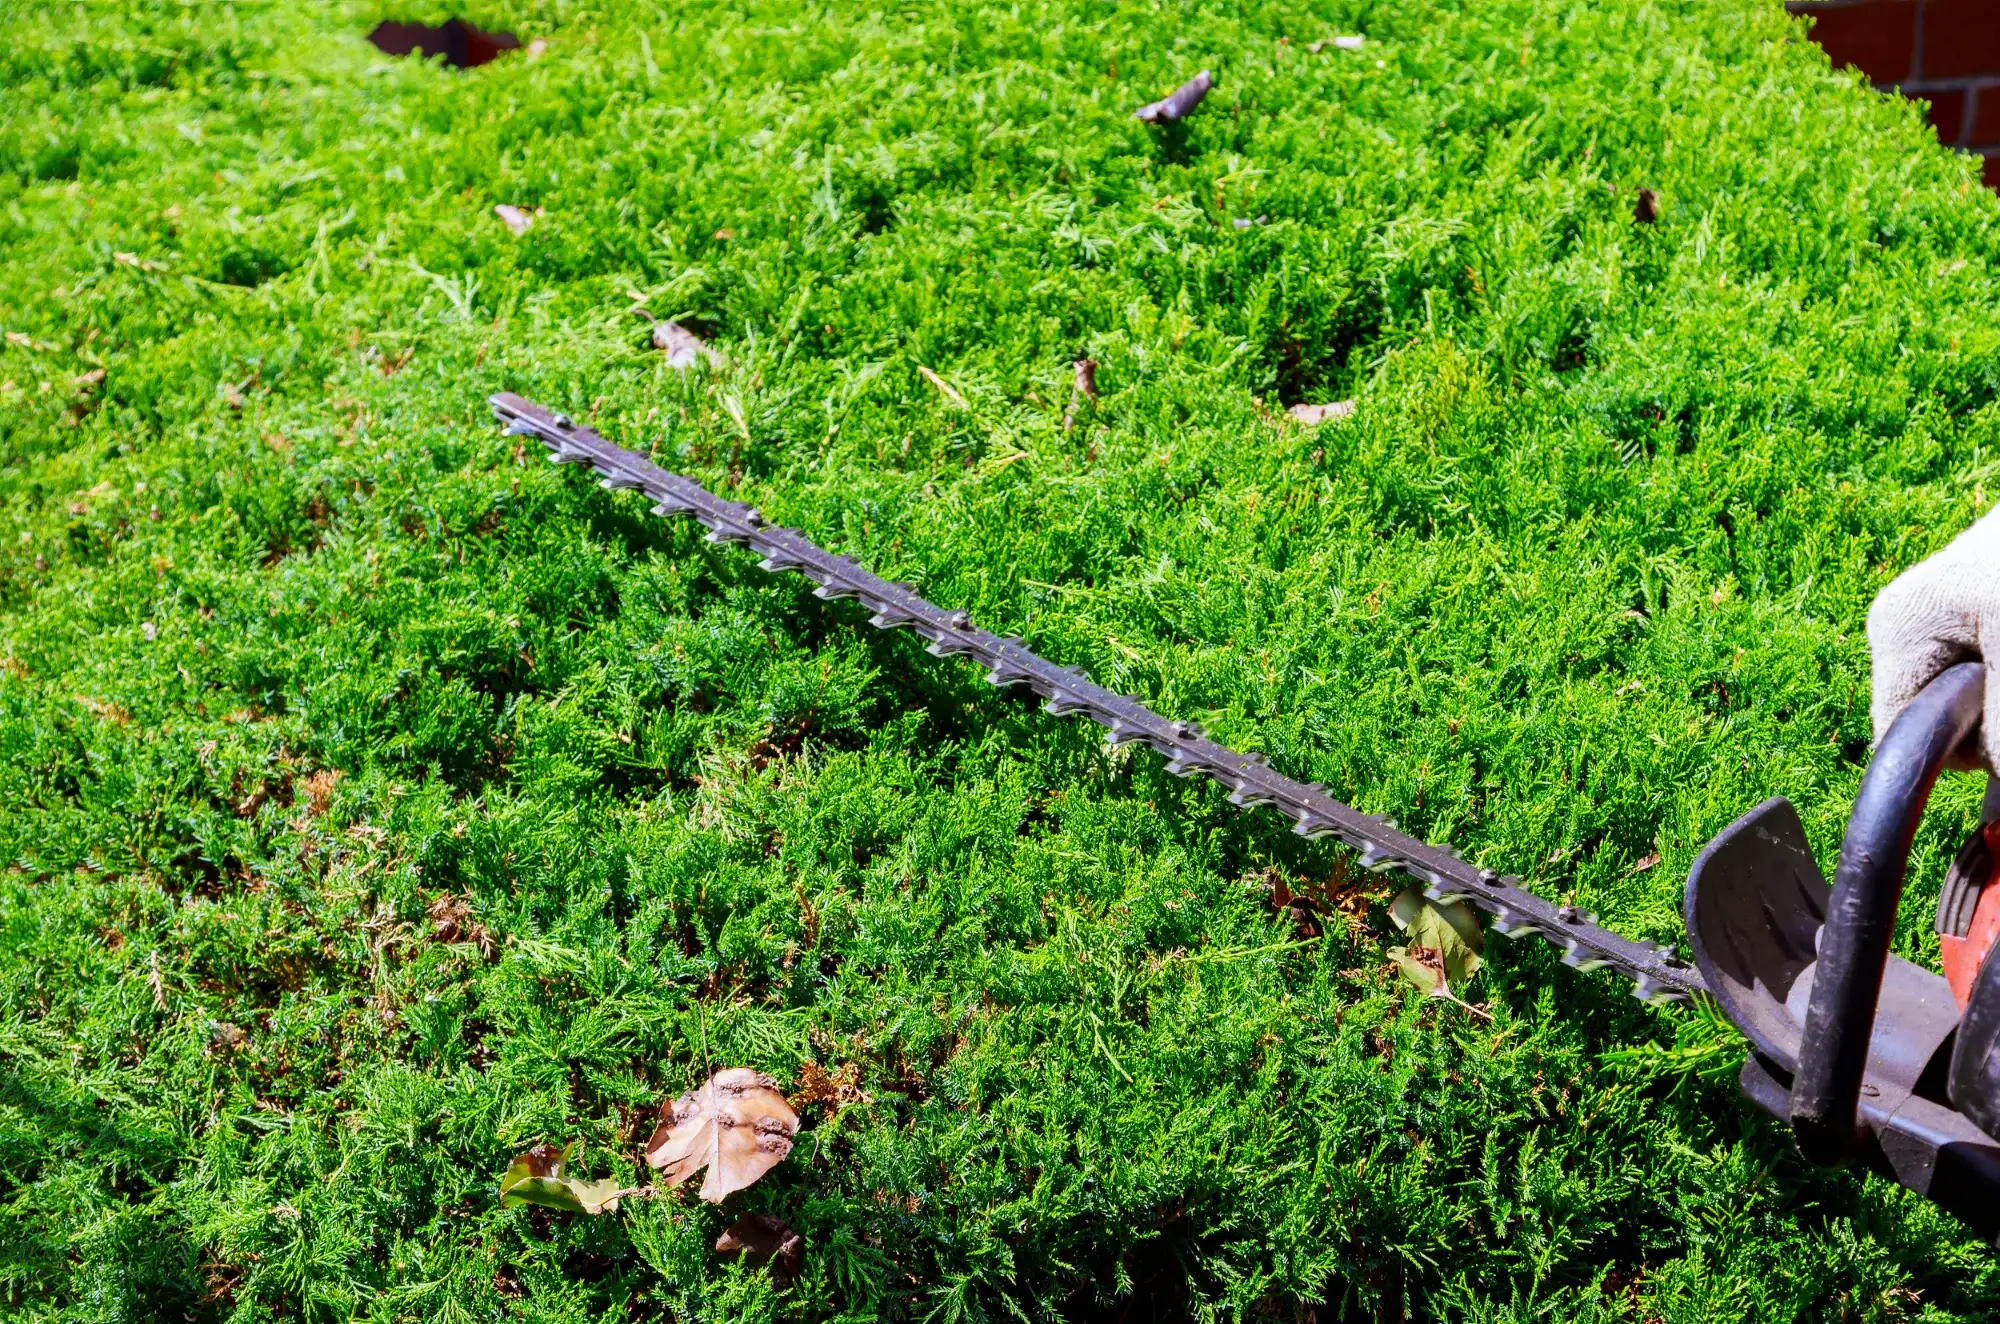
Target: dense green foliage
x=312 y=679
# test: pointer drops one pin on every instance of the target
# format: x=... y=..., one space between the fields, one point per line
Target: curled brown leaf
x=765 y=1239
x=1178 y=103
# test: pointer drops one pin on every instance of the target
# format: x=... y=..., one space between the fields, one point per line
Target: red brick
x=1961 y=39
x=1947 y=113
x=1985 y=117
x=1989 y=172
x=1878 y=37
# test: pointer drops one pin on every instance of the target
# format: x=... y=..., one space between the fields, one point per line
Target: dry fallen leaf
x=541 y=1177
x=765 y=1239
x=1445 y=941
x=683 y=347
x=1647 y=862
x=1647 y=209
x=517 y=219
x=1180 y=102
x=1451 y=929
x=1082 y=390
x=737 y=1126
x=1312 y=415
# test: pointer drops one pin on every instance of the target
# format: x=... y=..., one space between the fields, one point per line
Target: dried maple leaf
x=737 y=1126
x=765 y=1239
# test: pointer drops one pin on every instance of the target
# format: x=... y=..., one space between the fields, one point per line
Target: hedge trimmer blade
x=1657 y=973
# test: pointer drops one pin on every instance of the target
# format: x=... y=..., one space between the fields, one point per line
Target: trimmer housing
x=1872 y=1059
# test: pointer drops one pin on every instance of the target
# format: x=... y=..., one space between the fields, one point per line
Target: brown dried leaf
x=1082 y=391
x=737 y=1126
x=1647 y=209
x=765 y=1239
x=1178 y=103
x=1313 y=415
x=683 y=347
x=518 y=219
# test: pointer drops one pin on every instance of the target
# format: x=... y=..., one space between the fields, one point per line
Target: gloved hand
x=1938 y=612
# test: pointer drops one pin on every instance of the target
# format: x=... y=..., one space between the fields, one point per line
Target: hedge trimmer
x=1913 y=1091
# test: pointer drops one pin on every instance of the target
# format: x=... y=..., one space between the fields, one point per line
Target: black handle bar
x=1861 y=916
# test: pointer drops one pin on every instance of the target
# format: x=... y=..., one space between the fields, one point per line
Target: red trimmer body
x=1968 y=918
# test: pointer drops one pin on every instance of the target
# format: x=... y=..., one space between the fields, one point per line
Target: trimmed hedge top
x=379 y=801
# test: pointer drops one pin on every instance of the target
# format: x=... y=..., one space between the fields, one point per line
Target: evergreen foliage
x=378 y=801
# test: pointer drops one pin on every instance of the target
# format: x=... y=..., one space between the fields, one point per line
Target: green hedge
x=300 y=654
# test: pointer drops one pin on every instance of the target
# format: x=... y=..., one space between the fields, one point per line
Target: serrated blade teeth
x=1653 y=993
x=1576 y=955
x=1658 y=971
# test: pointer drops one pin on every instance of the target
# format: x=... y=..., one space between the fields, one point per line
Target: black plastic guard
x=1755 y=901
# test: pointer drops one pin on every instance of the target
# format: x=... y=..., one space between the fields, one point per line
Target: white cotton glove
x=1939 y=612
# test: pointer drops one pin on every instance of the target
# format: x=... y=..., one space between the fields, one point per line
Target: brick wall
x=1946 y=52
